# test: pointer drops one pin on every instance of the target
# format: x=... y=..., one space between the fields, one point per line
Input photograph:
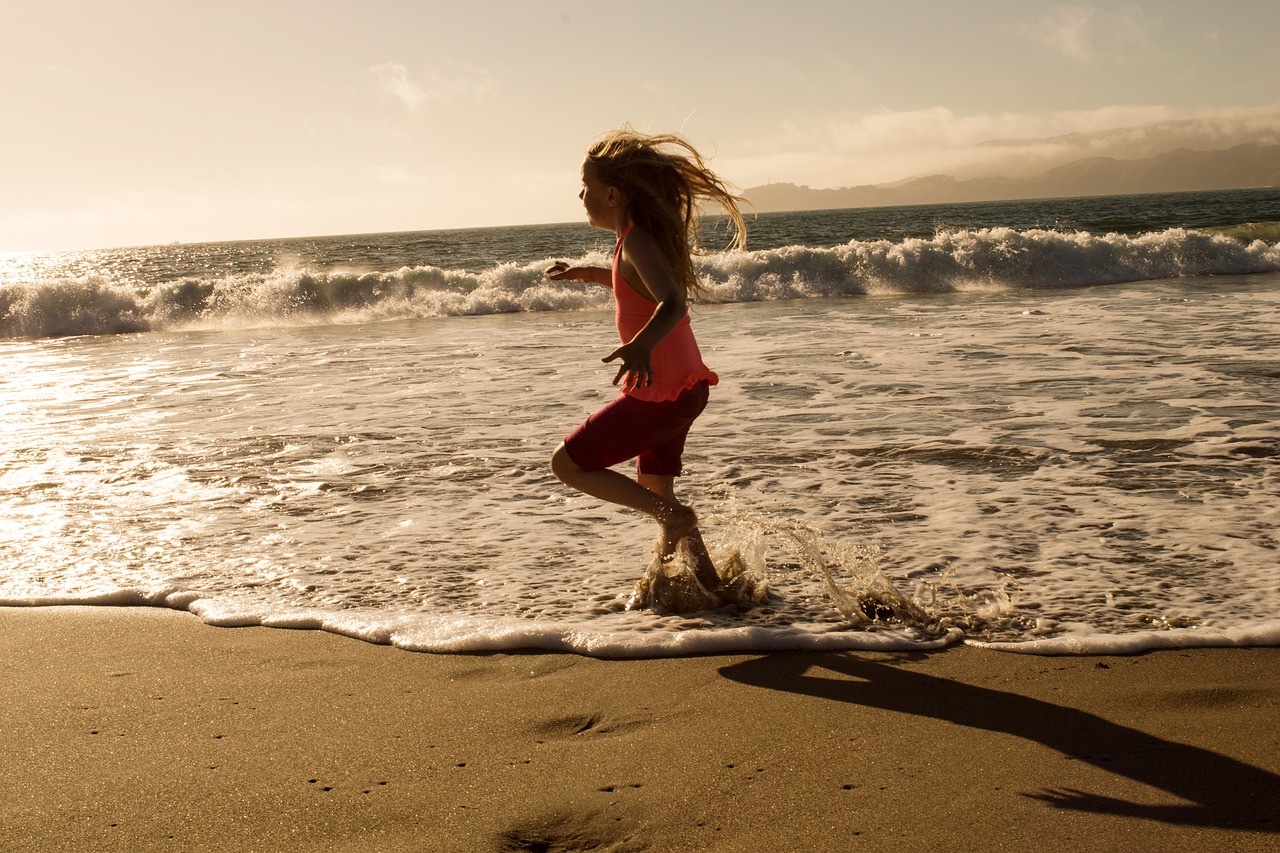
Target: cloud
x=1132 y=31
x=1218 y=130
x=887 y=146
x=457 y=83
x=1087 y=34
x=392 y=174
x=393 y=81
x=1066 y=29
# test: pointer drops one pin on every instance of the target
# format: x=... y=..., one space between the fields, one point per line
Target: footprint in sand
x=577 y=830
x=592 y=725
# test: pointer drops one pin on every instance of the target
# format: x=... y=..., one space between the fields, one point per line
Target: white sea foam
x=1265 y=634
x=951 y=261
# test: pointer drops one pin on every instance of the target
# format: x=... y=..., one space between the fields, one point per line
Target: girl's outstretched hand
x=635 y=365
x=560 y=271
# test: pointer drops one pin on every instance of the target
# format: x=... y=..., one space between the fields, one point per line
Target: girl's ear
x=614 y=196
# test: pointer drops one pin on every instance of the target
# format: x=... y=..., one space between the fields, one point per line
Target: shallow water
x=1068 y=469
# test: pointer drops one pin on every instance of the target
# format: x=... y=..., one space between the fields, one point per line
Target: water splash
x=849 y=573
x=672 y=585
x=852 y=578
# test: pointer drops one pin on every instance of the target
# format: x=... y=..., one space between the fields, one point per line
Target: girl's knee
x=561 y=465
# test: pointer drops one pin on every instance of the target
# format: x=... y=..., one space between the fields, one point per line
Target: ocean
x=1037 y=426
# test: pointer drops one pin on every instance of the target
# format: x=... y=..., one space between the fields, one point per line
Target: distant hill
x=1250 y=165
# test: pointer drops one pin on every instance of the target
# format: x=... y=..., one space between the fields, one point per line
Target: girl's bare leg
x=676 y=519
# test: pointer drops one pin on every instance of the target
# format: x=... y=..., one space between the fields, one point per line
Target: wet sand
x=134 y=729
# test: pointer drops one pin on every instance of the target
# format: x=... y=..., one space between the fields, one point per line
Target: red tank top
x=676 y=361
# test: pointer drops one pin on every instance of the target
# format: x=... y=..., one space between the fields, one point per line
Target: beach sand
x=135 y=729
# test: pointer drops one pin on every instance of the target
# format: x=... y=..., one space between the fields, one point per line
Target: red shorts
x=652 y=433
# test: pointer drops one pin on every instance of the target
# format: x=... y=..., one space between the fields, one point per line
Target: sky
x=125 y=122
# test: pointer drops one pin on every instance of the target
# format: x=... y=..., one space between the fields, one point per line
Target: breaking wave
x=950 y=261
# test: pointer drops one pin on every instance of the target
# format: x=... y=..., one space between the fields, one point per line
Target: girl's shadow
x=1221 y=791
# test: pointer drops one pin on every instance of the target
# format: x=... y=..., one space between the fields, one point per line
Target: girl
x=645 y=189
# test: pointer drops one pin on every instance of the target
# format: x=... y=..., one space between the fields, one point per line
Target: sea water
x=1040 y=426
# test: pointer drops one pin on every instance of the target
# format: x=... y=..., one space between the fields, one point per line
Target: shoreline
x=142 y=729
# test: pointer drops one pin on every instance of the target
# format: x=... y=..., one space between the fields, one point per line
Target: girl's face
x=599 y=200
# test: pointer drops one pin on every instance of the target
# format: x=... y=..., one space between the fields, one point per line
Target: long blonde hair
x=662 y=178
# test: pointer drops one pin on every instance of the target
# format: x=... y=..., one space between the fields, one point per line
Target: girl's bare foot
x=703 y=568
x=676 y=523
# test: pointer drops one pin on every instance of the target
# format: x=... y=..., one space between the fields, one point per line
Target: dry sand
x=147 y=730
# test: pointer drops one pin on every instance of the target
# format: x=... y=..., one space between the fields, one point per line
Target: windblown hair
x=663 y=178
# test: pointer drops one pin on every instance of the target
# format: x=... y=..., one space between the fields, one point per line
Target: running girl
x=645 y=189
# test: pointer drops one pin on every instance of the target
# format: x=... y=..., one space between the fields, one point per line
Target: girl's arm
x=642 y=254
x=560 y=271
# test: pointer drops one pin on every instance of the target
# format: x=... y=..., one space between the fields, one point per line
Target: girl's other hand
x=635 y=365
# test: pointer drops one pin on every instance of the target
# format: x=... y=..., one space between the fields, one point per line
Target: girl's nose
x=581 y=193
